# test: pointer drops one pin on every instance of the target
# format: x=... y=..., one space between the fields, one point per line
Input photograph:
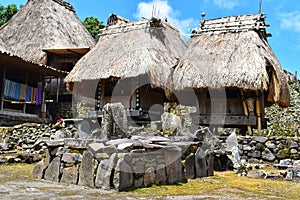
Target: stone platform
x=121 y=164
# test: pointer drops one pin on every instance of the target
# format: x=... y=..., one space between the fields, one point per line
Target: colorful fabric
x=23 y=92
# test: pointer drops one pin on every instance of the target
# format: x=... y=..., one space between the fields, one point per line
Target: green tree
x=7 y=12
x=93 y=25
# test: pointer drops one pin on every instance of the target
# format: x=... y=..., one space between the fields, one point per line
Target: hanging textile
x=39 y=96
x=28 y=93
x=23 y=92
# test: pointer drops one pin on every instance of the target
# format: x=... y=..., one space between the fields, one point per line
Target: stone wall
x=123 y=163
x=270 y=149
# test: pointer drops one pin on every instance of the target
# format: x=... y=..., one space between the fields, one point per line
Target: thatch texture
x=232 y=53
x=44 y=24
x=3 y=47
x=130 y=50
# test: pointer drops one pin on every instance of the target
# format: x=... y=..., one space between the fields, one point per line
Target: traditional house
x=21 y=95
x=48 y=32
x=231 y=56
x=130 y=64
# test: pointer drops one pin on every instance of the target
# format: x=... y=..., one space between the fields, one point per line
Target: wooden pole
x=258 y=113
x=246 y=111
x=57 y=90
x=3 y=86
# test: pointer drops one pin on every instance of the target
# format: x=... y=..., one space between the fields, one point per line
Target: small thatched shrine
x=130 y=64
x=231 y=56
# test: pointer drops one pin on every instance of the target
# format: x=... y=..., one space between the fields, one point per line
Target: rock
x=86 y=171
x=67 y=158
x=105 y=172
x=103 y=175
x=267 y=155
x=260 y=139
x=53 y=172
x=256 y=174
x=95 y=148
x=293 y=144
x=114 y=121
x=38 y=170
x=160 y=176
x=283 y=153
x=233 y=150
x=138 y=180
x=83 y=131
x=61 y=134
x=293 y=151
x=285 y=162
x=270 y=145
x=259 y=146
x=246 y=148
x=123 y=178
x=256 y=154
x=149 y=177
x=189 y=166
x=200 y=163
x=69 y=175
x=171 y=123
x=172 y=157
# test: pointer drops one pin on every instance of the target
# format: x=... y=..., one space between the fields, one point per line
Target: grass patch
x=16 y=172
x=226 y=183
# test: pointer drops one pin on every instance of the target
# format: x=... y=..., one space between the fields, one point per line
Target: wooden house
x=21 y=87
x=130 y=64
x=48 y=32
x=233 y=70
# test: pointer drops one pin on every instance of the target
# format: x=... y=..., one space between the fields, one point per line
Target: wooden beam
x=258 y=113
x=225 y=120
x=246 y=111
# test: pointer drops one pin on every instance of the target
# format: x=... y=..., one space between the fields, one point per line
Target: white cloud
x=162 y=9
x=226 y=4
x=290 y=20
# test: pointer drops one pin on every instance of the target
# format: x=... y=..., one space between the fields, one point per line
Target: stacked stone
x=27 y=142
x=270 y=149
x=121 y=163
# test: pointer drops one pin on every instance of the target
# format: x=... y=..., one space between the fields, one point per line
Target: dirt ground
x=16 y=183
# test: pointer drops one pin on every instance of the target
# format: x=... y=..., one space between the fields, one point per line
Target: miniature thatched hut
x=131 y=61
x=232 y=54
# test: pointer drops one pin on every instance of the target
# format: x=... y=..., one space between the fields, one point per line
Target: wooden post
x=258 y=113
x=57 y=90
x=26 y=83
x=246 y=111
x=3 y=86
x=133 y=93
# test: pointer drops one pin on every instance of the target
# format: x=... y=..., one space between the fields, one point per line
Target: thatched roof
x=44 y=24
x=3 y=47
x=232 y=52
x=131 y=49
x=15 y=62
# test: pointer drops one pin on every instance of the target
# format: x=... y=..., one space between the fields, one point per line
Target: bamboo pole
x=246 y=111
x=258 y=113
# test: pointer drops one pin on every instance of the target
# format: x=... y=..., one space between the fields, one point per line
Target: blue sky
x=282 y=15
